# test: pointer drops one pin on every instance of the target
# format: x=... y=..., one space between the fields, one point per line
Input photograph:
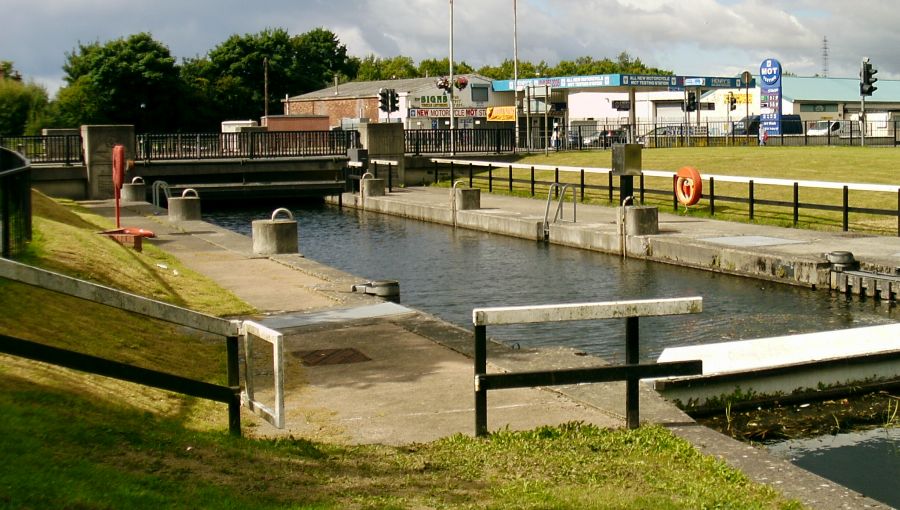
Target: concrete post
x=98 y=143
x=386 y=141
x=274 y=236
x=640 y=220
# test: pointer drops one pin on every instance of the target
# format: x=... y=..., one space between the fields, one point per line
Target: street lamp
x=452 y=113
x=516 y=71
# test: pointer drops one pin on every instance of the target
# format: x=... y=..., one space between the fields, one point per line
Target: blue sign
x=770 y=97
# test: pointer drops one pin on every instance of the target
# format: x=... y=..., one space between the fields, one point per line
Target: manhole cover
x=331 y=357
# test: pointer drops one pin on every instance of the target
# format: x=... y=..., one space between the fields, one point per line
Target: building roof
x=798 y=88
x=356 y=89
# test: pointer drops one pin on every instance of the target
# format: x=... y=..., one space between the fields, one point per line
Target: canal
x=448 y=272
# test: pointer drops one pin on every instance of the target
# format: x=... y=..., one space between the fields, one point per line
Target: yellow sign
x=501 y=113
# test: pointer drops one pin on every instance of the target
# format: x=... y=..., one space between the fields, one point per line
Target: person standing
x=763 y=135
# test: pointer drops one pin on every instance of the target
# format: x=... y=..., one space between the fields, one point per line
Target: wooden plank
x=586 y=311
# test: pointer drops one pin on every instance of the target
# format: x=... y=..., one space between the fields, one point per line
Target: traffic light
x=867 y=78
x=384 y=100
x=732 y=102
x=691 y=102
x=393 y=101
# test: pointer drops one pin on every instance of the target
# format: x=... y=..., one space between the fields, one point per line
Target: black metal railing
x=245 y=145
x=599 y=184
x=443 y=141
x=794 y=133
x=66 y=149
x=15 y=203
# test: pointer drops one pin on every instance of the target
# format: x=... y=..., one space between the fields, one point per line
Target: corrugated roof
x=371 y=88
x=797 y=88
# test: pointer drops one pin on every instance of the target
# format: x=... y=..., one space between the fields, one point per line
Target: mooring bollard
x=185 y=208
x=640 y=220
x=386 y=289
x=369 y=186
x=136 y=191
x=275 y=236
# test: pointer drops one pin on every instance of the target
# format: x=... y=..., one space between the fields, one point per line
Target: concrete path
x=361 y=371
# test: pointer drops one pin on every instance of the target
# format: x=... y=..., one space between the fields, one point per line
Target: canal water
x=448 y=272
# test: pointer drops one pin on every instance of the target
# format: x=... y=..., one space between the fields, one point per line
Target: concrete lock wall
x=386 y=141
x=98 y=143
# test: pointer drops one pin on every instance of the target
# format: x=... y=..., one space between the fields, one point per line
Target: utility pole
x=516 y=72
x=265 y=86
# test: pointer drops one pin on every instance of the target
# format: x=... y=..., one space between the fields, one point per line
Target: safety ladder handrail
x=160 y=185
x=558 y=216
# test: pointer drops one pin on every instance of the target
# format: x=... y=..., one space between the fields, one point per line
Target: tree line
x=136 y=80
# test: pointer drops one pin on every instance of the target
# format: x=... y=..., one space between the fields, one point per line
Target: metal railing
x=522 y=179
x=245 y=145
x=15 y=203
x=230 y=329
x=631 y=372
x=442 y=141
x=66 y=149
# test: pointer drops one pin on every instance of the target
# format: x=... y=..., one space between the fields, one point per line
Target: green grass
x=77 y=441
x=837 y=164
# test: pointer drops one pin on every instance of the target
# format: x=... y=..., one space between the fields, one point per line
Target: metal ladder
x=558 y=216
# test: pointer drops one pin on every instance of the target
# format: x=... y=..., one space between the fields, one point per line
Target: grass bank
x=836 y=164
x=76 y=441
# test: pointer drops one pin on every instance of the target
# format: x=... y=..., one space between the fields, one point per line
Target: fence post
x=490 y=179
x=846 y=208
x=390 y=177
x=632 y=402
x=452 y=174
x=582 y=184
x=480 y=369
x=510 y=178
x=674 y=192
x=712 y=196
x=435 y=172
x=751 y=199
x=532 y=180
x=898 y=212
x=796 y=203
x=234 y=407
x=470 y=175
x=642 y=187
x=610 y=185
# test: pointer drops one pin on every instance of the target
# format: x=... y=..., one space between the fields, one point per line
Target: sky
x=688 y=37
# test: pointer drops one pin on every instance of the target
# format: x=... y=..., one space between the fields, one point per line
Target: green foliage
x=131 y=80
x=21 y=104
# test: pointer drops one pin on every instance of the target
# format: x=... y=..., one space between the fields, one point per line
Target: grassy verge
x=77 y=441
x=837 y=164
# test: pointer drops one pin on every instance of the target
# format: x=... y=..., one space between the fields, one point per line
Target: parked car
x=790 y=125
x=824 y=127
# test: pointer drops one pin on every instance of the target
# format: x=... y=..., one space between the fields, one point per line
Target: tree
x=441 y=67
x=21 y=104
x=233 y=74
x=130 y=80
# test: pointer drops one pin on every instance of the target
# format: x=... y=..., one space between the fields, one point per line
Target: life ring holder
x=688 y=186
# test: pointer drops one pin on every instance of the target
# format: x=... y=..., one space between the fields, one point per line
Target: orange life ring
x=118 y=166
x=688 y=185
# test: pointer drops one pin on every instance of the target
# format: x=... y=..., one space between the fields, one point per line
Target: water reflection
x=867 y=461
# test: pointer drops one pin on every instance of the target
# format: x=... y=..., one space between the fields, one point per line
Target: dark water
x=449 y=272
x=868 y=461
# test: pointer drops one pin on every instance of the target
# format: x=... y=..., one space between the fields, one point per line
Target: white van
x=823 y=127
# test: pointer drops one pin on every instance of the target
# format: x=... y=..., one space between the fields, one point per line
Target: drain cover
x=331 y=357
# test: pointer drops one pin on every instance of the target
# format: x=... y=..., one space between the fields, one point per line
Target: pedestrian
x=763 y=135
x=555 y=138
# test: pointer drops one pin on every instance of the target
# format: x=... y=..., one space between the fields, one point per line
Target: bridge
x=259 y=164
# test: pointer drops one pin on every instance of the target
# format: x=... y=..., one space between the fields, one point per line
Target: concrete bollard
x=135 y=192
x=275 y=236
x=185 y=208
x=385 y=289
x=468 y=199
x=640 y=220
x=372 y=187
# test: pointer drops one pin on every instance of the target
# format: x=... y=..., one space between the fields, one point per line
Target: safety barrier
x=15 y=203
x=631 y=372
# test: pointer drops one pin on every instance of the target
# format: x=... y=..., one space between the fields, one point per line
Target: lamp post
x=516 y=72
x=452 y=112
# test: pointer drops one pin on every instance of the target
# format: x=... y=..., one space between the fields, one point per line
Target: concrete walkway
x=359 y=370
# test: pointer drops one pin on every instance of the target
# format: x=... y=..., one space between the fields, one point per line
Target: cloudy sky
x=693 y=37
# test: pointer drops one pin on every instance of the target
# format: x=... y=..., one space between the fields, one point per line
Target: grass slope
x=82 y=442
